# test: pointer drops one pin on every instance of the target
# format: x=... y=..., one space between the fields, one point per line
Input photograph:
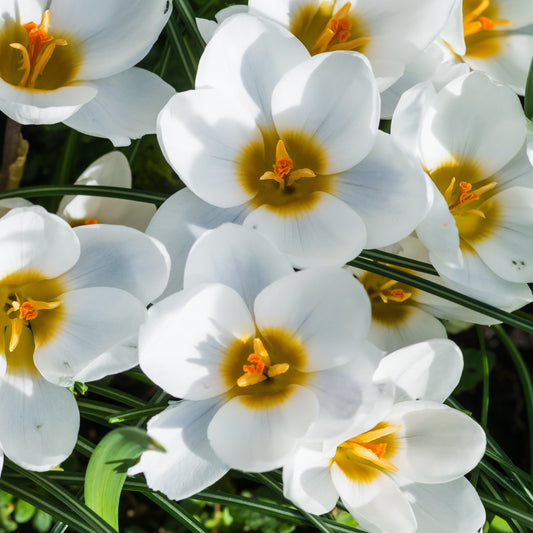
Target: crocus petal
x=188 y=464
x=446 y=135
x=207 y=28
x=508 y=251
x=281 y=11
x=517 y=173
x=445 y=507
x=257 y=438
x=34 y=241
x=234 y=60
x=388 y=190
x=238 y=258
x=345 y=123
x=452 y=32
x=437 y=443
x=120 y=111
x=425 y=371
x=328 y=232
x=127 y=28
x=91 y=321
x=120 y=257
x=23 y=12
x=365 y=501
x=307 y=481
x=9 y=203
x=510 y=63
x=326 y=309
x=183 y=342
x=117 y=359
x=43 y=107
x=412 y=326
x=202 y=134
x=39 y=422
x=181 y=220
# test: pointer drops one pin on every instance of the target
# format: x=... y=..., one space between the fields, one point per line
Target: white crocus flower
x=113 y=170
x=403 y=315
x=471 y=139
x=400 y=470
x=69 y=297
x=261 y=356
x=299 y=156
x=494 y=36
x=72 y=61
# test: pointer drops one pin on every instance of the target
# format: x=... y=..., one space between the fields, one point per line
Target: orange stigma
x=336 y=35
x=91 y=221
x=465 y=195
x=37 y=54
x=474 y=22
x=283 y=169
x=261 y=367
x=385 y=294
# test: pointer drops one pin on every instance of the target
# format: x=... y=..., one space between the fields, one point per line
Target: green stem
x=10 y=152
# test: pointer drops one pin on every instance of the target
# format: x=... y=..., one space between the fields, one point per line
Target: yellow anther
x=384 y=293
x=474 y=22
x=465 y=195
x=261 y=367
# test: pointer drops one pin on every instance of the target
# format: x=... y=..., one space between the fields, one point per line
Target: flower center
x=261 y=367
x=361 y=457
x=459 y=199
x=385 y=293
x=19 y=313
x=39 y=51
x=474 y=21
x=283 y=169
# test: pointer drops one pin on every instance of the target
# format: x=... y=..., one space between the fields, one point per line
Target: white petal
x=307 y=481
x=91 y=321
x=341 y=117
x=437 y=443
x=188 y=464
x=367 y=502
x=183 y=342
x=120 y=257
x=446 y=135
x=508 y=251
x=36 y=241
x=257 y=438
x=445 y=507
x=120 y=111
x=202 y=134
x=234 y=61
x=179 y=222
x=9 y=203
x=453 y=30
x=117 y=359
x=424 y=371
x=517 y=173
x=388 y=190
x=328 y=232
x=510 y=64
x=28 y=106
x=237 y=257
x=326 y=309
x=281 y=11
x=127 y=28
x=22 y=12
x=413 y=325
x=39 y=421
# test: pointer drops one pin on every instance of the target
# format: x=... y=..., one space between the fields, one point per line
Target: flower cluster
x=280 y=353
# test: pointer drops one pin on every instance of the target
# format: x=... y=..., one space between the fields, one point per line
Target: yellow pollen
x=383 y=292
x=40 y=48
x=464 y=196
x=474 y=22
x=363 y=446
x=283 y=169
x=261 y=367
x=336 y=35
x=25 y=311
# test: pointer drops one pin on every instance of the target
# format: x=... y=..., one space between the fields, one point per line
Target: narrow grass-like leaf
x=176 y=39
x=525 y=380
x=189 y=20
x=396 y=260
x=115 y=394
x=503 y=480
x=134 y=414
x=507 y=511
x=41 y=191
x=528 y=99
x=443 y=292
x=107 y=469
x=64 y=174
x=86 y=515
x=175 y=510
x=159 y=398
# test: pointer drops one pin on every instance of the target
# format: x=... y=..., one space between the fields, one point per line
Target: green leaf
x=107 y=469
x=528 y=100
x=499 y=525
x=24 y=512
x=42 y=522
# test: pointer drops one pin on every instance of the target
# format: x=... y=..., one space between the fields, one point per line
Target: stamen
x=466 y=195
x=261 y=367
x=40 y=49
x=394 y=295
x=91 y=221
x=473 y=22
x=283 y=172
